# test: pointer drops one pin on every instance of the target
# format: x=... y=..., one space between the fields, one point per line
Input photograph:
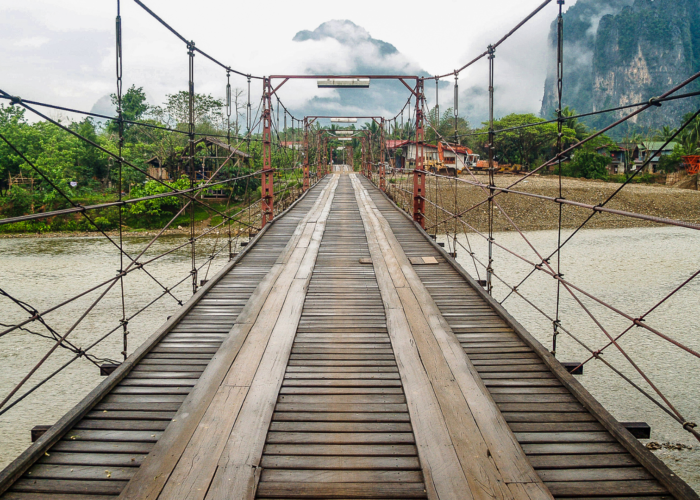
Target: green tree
x=134 y=108
x=526 y=145
x=579 y=128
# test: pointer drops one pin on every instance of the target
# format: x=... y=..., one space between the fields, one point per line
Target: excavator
x=438 y=166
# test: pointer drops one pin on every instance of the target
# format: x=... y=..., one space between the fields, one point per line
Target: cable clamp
x=124 y=322
x=15 y=99
x=689 y=425
x=638 y=321
x=654 y=102
x=596 y=354
x=80 y=352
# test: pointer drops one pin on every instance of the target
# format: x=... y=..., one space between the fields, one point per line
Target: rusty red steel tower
x=267 y=189
x=382 y=169
x=319 y=171
x=363 y=161
x=324 y=155
x=306 y=155
x=419 y=171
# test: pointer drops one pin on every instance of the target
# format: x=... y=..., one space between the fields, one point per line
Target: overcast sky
x=63 y=52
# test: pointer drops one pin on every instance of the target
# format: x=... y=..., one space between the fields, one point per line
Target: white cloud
x=33 y=42
x=67 y=56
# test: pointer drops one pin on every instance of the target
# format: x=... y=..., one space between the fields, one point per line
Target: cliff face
x=619 y=52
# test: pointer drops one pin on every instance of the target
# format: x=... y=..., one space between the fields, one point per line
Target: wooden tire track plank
x=483 y=449
x=238 y=465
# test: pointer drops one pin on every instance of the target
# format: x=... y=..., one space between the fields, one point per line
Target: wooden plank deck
x=328 y=362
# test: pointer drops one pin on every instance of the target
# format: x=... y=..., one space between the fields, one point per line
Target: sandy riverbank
x=536 y=214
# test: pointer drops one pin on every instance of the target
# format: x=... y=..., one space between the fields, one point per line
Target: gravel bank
x=533 y=214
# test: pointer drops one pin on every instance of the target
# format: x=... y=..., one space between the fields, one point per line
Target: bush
x=158 y=207
x=668 y=163
x=17 y=202
x=589 y=165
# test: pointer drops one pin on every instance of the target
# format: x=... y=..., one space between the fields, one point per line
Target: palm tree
x=573 y=123
x=665 y=133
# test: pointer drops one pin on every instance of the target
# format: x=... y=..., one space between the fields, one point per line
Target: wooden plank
x=340 y=417
x=100 y=447
x=237 y=469
x=602 y=474
x=391 y=427
x=582 y=461
x=342 y=490
x=605 y=488
x=339 y=438
x=484 y=477
x=101 y=459
x=340 y=476
x=344 y=462
x=16 y=495
x=197 y=464
x=53 y=486
x=80 y=472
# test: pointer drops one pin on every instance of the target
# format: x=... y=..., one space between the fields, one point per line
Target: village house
x=629 y=157
x=454 y=154
x=647 y=152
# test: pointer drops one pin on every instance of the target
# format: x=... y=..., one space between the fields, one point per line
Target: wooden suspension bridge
x=343 y=354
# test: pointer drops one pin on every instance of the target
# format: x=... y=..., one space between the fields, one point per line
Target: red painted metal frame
x=419 y=171
x=306 y=155
x=267 y=185
x=382 y=169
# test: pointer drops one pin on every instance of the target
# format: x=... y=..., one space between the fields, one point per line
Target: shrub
x=589 y=164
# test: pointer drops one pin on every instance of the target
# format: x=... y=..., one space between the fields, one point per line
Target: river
x=629 y=268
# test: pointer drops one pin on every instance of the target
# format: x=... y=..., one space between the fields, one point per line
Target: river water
x=630 y=269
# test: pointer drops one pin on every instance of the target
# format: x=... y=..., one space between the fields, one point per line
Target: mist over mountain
x=343 y=48
x=619 y=52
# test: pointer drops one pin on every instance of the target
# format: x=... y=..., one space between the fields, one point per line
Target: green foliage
x=134 y=108
x=689 y=138
x=589 y=165
x=524 y=146
x=445 y=125
x=157 y=207
x=18 y=201
x=669 y=163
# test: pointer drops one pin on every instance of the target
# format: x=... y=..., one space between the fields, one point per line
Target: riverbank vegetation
x=42 y=166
